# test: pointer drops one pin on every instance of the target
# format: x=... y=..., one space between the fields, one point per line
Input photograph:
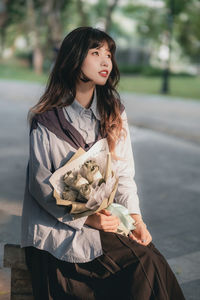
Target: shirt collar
x=77 y=106
x=93 y=107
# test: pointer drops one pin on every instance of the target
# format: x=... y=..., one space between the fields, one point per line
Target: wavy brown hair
x=61 y=86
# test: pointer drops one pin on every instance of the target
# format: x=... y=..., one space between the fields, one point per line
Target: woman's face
x=98 y=64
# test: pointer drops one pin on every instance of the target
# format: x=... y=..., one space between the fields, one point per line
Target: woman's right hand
x=103 y=220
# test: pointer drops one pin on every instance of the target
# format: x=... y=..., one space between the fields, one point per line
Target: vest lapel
x=55 y=121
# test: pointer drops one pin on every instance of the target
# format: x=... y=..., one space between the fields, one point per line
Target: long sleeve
x=40 y=165
x=127 y=190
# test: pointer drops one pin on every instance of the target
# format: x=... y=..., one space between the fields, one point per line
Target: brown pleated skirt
x=126 y=271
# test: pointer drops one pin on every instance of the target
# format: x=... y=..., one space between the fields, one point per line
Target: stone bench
x=14 y=258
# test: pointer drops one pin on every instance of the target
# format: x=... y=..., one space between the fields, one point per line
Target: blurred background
x=154 y=38
x=158 y=53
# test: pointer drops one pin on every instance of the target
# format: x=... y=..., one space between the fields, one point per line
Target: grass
x=186 y=87
x=15 y=71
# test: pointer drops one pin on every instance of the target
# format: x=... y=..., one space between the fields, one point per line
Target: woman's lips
x=104 y=73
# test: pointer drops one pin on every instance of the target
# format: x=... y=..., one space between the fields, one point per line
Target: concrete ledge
x=14 y=258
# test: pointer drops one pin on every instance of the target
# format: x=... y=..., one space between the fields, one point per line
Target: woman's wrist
x=138 y=219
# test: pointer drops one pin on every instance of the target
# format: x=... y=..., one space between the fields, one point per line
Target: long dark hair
x=61 y=87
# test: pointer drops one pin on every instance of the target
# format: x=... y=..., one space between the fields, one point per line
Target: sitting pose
x=85 y=258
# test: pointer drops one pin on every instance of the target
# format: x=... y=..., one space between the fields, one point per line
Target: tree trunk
x=110 y=10
x=3 y=24
x=38 y=56
x=51 y=12
x=165 y=88
x=2 y=41
x=82 y=13
x=38 y=60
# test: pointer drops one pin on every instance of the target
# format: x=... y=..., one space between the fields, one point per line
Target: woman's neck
x=84 y=93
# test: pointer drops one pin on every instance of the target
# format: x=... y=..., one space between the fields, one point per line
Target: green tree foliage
x=49 y=21
x=188 y=30
x=176 y=6
x=150 y=21
x=100 y=13
x=178 y=16
x=12 y=12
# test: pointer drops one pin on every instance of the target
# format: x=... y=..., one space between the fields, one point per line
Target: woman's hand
x=140 y=234
x=103 y=220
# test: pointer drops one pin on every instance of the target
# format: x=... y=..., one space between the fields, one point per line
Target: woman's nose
x=104 y=62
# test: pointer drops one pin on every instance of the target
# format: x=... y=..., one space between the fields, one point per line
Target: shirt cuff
x=128 y=199
x=133 y=206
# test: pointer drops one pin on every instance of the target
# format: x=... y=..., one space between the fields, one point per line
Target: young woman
x=85 y=258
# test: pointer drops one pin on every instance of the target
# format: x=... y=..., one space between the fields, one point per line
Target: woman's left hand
x=141 y=234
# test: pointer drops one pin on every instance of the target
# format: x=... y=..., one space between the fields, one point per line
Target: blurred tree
x=83 y=14
x=44 y=23
x=51 y=11
x=188 y=33
x=156 y=26
x=3 y=23
x=111 y=5
x=149 y=23
x=11 y=12
x=174 y=8
x=35 y=32
x=101 y=14
x=39 y=21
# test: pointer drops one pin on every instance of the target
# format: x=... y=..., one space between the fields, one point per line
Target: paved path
x=167 y=166
x=167 y=175
x=173 y=116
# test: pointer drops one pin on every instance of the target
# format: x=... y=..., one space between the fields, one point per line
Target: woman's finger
x=133 y=237
x=144 y=237
x=105 y=212
x=109 y=219
x=109 y=228
x=145 y=240
x=109 y=225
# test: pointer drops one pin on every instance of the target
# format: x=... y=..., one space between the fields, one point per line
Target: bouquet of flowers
x=86 y=184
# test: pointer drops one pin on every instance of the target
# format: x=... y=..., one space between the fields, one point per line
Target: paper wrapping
x=99 y=152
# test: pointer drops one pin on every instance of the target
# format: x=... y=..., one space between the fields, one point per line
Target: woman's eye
x=109 y=55
x=95 y=52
